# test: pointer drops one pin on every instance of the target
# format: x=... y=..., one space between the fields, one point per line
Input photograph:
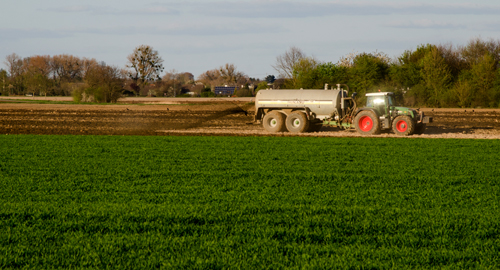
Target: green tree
x=304 y=73
x=406 y=76
x=261 y=85
x=146 y=65
x=104 y=84
x=436 y=75
x=207 y=92
x=496 y=90
x=270 y=78
x=462 y=90
x=405 y=73
x=38 y=84
x=483 y=78
x=453 y=59
x=4 y=80
x=367 y=71
x=329 y=73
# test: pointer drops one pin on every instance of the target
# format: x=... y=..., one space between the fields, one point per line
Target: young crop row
x=248 y=202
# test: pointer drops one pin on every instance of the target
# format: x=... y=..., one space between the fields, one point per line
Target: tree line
x=430 y=75
x=61 y=75
x=90 y=80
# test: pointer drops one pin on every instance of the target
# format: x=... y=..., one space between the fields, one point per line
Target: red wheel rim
x=401 y=126
x=365 y=123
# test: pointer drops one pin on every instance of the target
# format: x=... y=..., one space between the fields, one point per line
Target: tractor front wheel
x=367 y=123
x=403 y=125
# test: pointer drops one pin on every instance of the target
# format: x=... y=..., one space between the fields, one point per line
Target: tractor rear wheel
x=274 y=122
x=367 y=123
x=296 y=122
x=403 y=125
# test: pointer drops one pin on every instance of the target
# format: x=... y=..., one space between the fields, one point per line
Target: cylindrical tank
x=323 y=103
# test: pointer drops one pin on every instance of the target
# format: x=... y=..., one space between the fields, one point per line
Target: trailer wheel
x=420 y=129
x=296 y=122
x=403 y=125
x=367 y=123
x=274 y=122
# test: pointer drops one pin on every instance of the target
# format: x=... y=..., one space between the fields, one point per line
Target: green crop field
x=248 y=202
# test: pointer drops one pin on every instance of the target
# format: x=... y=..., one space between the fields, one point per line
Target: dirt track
x=224 y=118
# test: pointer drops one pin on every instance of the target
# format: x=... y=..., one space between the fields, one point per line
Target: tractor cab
x=382 y=102
x=381 y=108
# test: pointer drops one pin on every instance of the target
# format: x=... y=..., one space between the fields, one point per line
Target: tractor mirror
x=354 y=95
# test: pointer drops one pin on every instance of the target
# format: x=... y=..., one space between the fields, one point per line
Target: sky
x=199 y=35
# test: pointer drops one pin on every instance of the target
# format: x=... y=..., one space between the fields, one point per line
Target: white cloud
x=83 y=9
x=300 y=9
x=493 y=26
x=158 y=10
x=13 y=34
x=426 y=24
x=73 y=9
x=108 y=10
x=286 y=9
x=182 y=30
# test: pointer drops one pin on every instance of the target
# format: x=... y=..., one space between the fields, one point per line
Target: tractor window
x=375 y=101
x=391 y=100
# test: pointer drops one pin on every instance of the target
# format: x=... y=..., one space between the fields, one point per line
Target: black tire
x=315 y=126
x=274 y=122
x=296 y=122
x=420 y=129
x=403 y=125
x=367 y=123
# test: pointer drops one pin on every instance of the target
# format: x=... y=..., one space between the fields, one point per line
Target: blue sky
x=195 y=36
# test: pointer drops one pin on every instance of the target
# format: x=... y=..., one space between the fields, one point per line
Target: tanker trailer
x=308 y=110
x=304 y=110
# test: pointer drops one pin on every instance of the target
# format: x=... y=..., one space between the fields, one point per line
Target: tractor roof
x=380 y=94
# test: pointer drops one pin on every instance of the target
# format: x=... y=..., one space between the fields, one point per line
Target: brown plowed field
x=224 y=118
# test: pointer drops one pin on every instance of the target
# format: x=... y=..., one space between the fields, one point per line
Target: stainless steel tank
x=323 y=103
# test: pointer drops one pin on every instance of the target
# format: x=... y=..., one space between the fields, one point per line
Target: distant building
x=194 y=90
x=225 y=90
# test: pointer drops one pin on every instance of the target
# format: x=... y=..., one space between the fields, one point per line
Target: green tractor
x=308 y=110
x=381 y=113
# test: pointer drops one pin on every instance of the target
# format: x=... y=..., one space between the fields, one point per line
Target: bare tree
x=14 y=65
x=67 y=67
x=286 y=62
x=230 y=75
x=39 y=64
x=474 y=51
x=224 y=75
x=37 y=71
x=210 y=78
x=186 y=78
x=146 y=64
x=87 y=65
x=172 y=82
